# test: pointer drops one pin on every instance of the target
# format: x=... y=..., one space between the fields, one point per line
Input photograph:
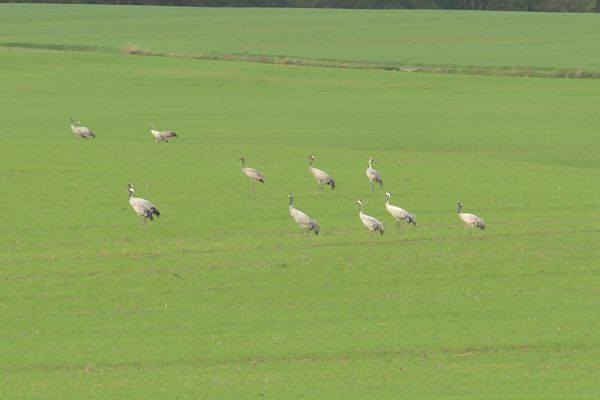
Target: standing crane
x=304 y=221
x=142 y=207
x=254 y=174
x=322 y=177
x=81 y=131
x=160 y=136
x=373 y=175
x=470 y=220
x=398 y=213
x=371 y=223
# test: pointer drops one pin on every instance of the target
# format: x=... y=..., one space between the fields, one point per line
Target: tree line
x=498 y=5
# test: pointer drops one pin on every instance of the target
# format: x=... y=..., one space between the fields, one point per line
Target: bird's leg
x=320 y=187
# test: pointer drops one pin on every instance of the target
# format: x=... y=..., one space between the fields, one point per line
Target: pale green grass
x=426 y=37
x=223 y=298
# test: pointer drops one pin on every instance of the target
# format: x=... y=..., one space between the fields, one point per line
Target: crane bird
x=142 y=207
x=304 y=221
x=322 y=177
x=398 y=213
x=254 y=174
x=371 y=223
x=160 y=136
x=373 y=175
x=470 y=220
x=81 y=131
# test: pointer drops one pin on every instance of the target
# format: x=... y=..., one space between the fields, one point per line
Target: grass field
x=398 y=37
x=222 y=297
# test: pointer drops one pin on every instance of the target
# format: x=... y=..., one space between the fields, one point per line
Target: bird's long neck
x=311 y=162
x=291 y=201
x=242 y=160
x=360 y=208
x=371 y=163
x=459 y=208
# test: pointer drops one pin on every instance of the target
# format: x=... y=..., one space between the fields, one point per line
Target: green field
x=222 y=297
x=425 y=37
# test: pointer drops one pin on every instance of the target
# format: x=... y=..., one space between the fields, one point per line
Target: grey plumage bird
x=142 y=207
x=81 y=131
x=373 y=175
x=371 y=223
x=254 y=174
x=399 y=214
x=305 y=222
x=470 y=220
x=322 y=177
x=160 y=136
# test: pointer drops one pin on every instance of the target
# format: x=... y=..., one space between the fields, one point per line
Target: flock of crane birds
x=307 y=223
x=148 y=211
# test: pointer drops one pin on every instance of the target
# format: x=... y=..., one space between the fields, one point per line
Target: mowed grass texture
x=222 y=297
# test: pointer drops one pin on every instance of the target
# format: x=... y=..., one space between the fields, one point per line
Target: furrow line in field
x=302 y=357
x=515 y=71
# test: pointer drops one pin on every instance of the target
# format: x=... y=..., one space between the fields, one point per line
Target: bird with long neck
x=398 y=213
x=305 y=222
x=160 y=136
x=322 y=177
x=373 y=175
x=142 y=207
x=470 y=220
x=81 y=131
x=371 y=223
x=254 y=174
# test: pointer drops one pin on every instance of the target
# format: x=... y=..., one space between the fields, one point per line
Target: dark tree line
x=504 y=5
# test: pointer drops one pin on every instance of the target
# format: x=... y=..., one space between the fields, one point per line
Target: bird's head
x=359 y=202
x=459 y=205
x=291 y=195
x=311 y=156
x=388 y=195
x=242 y=158
x=130 y=188
x=151 y=125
